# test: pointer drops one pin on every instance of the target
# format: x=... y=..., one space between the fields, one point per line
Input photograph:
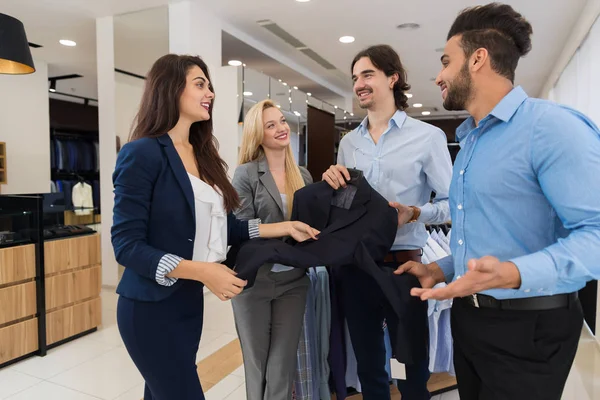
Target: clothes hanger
x=355 y=176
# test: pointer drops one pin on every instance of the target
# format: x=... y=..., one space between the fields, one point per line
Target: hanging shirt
x=83 y=199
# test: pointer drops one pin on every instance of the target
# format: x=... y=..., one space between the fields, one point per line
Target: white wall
x=25 y=127
x=578 y=85
x=128 y=94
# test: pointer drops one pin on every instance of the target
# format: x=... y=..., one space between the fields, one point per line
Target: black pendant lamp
x=15 y=57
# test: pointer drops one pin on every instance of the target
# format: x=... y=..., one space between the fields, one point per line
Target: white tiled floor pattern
x=98 y=367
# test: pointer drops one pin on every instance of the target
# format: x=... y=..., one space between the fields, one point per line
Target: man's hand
x=428 y=275
x=405 y=213
x=336 y=176
x=483 y=274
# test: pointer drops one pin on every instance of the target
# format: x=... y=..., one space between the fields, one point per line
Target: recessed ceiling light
x=309 y=94
x=417 y=105
x=66 y=42
x=352 y=114
x=409 y=25
x=297 y=114
x=336 y=107
x=426 y=112
x=347 y=39
x=278 y=106
x=296 y=87
x=409 y=95
x=234 y=63
x=284 y=84
x=248 y=93
x=243 y=65
x=302 y=1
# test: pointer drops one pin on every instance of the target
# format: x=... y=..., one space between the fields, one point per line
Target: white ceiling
x=318 y=24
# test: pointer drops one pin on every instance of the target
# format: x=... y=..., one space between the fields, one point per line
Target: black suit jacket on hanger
x=360 y=236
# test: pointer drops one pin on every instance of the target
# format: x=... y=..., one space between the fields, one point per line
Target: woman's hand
x=221 y=280
x=301 y=231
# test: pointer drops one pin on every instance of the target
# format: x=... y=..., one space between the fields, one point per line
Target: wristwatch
x=416 y=214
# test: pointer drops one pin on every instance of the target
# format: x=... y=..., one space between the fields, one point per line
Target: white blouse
x=210 y=243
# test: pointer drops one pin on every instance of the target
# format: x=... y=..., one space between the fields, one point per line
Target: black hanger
x=355 y=176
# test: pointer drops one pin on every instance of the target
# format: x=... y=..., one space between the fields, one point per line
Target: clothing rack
x=445 y=227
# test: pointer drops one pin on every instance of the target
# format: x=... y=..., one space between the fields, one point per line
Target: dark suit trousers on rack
x=515 y=355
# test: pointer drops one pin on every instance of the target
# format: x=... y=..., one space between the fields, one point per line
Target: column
x=105 y=56
x=184 y=30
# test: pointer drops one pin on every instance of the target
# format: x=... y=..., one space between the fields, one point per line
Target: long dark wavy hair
x=159 y=113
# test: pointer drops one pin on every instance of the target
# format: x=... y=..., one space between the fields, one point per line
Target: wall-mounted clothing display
x=80 y=198
x=74 y=155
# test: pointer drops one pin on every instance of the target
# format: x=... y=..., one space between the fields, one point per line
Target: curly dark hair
x=387 y=60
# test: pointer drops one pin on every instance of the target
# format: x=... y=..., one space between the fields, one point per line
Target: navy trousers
x=162 y=339
x=366 y=308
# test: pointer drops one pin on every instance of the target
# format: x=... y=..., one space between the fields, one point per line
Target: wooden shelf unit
x=18 y=303
x=72 y=307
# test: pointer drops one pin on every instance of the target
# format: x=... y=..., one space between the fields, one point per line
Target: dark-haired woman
x=172 y=224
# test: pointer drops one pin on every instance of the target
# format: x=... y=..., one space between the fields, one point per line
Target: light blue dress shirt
x=409 y=161
x=526 y=189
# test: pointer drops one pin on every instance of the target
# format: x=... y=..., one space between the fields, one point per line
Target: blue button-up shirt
x=408 y=162
x=526 y=189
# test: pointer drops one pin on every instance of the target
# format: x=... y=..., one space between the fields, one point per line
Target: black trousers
x=366 y=308
x=502 y=354
x=162 y=339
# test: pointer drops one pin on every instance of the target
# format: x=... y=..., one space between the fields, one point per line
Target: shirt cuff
x=535 y=274
x=446 y=264
x=427 y=213
x=166 y=265
x=253 y=230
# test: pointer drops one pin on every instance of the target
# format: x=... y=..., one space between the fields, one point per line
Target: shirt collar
x=397 y=119
x=504 y=111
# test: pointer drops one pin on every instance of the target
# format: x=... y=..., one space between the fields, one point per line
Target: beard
x=366 y=105
x=459 y=94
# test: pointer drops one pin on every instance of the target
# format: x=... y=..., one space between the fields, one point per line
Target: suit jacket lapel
x=357 y=210
x=178 y=170
x=268 y=181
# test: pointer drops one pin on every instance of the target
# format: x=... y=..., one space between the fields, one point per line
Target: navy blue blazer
x=154 y=215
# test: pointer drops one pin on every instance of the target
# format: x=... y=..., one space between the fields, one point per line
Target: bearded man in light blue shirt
x=525 y=205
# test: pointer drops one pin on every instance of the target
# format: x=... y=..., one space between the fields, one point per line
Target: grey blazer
x=259 y=196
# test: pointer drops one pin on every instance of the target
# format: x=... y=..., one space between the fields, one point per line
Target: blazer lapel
x=178 y=170
x=357 y=210
x=268 y=181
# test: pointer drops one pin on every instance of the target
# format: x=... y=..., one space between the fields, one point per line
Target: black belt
x=523 y=304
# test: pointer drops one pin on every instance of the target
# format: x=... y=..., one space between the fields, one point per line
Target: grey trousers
x=268 y=319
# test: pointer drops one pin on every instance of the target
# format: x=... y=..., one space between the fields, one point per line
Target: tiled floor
x=98 y=367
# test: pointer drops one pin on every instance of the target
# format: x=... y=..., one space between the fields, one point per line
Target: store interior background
x=289 y=51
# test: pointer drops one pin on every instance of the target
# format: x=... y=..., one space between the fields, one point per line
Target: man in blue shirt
x=404 y=159
x=525 y=206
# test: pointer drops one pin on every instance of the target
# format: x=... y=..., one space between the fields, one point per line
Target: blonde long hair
x=252 y=150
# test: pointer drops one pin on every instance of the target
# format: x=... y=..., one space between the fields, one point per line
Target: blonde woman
x=269 y=315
